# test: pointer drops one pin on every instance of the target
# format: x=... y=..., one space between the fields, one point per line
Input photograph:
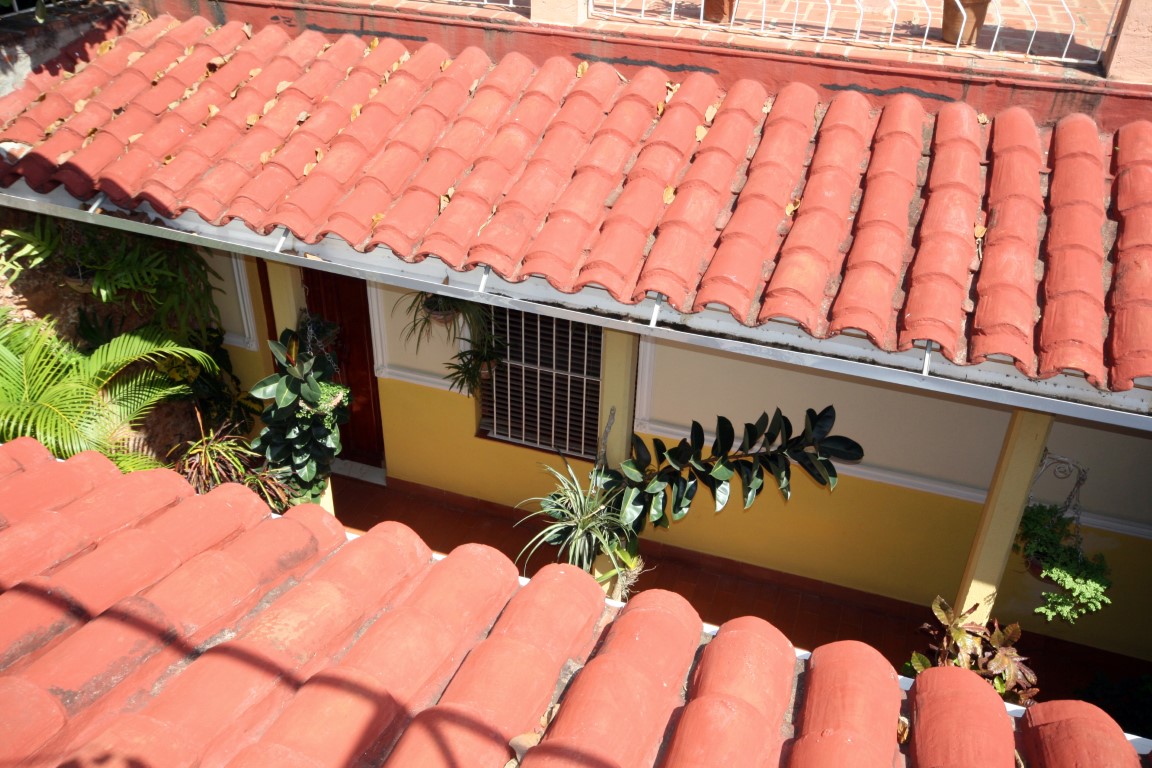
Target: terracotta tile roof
x=143 y=625
x=839 y=218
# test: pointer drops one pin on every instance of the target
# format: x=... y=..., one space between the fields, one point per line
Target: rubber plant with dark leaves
x=302 y=420
x=988 y=650
x=658 y=484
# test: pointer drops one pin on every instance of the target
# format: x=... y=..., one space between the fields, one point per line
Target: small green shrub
x=1051 y=540
x=988 y=650
x=303 y=416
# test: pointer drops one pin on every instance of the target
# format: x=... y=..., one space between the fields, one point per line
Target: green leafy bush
x=1050 y=540
x=303 y=416
x=988 y=650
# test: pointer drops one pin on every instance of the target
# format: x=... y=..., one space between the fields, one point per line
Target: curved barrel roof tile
x=201 y=630
x=986 y=236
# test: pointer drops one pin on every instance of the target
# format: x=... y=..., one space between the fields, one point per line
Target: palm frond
x=72 y=403
x=146 y=345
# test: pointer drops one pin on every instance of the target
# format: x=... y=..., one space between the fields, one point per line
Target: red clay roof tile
x=1131 y=331
x=1072 y=328
x=941 y=274
x=949 y=707
x=507 y=682
x=1066 y=734
x=205 y=632
x=27 y=493
x=881 y=248
x=851 y=709
x=1005 y=318
x=751 y=240
x=810 y=260
x=641 y=187
x=740 y=692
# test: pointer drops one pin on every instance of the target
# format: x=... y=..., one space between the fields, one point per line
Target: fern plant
x=25 y=249
x=73 y=402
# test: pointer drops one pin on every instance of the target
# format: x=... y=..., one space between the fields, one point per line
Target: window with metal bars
x=547 y=393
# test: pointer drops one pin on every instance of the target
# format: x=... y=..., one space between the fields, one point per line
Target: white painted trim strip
x=244 y=299
x=376 y=315
x=413 y=376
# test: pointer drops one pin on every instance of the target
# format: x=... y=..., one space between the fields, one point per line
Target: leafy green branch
x=659 y=484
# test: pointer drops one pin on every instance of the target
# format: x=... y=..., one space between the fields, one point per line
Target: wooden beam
x=1020 y=456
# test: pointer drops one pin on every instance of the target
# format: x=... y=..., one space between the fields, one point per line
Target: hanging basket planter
x=1035 y=568
x=963 y=28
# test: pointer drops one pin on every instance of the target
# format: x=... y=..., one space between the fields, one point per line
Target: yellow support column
x=1020 y=456
x=618 y=390
x=287 y=289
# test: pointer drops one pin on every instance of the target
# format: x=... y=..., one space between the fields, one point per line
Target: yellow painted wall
x=430 y=438
x=890 y=539
x=886 y=539
x=896 y=542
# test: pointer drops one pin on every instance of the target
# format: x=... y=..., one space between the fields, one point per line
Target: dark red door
x=344 y=301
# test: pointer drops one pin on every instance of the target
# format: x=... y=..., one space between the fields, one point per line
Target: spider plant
x=584 y=523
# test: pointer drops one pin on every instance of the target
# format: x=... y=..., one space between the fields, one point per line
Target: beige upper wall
x=914 y=435
x=400 y=354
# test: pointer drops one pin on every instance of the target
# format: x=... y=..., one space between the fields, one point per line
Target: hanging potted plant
x=428 y=312
x=472 y=366
x=1050 y=542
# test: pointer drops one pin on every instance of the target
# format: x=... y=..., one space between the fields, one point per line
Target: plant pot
x=720 y=11
x=603 y=565
x=1035 y=568
x=955 y=28
x=442 y=316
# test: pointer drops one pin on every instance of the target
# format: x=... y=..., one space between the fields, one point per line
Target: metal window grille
x=547 y=393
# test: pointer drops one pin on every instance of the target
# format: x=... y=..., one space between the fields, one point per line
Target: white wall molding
x=376 y=315
x=413 y=376
x=245 y=338
x=1116 y=525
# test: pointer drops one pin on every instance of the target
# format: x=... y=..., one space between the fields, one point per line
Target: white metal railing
x=1013 y=28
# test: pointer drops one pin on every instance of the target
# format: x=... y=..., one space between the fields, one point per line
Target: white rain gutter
x=994 y=384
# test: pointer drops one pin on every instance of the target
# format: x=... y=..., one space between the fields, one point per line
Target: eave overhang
x=921 y=369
